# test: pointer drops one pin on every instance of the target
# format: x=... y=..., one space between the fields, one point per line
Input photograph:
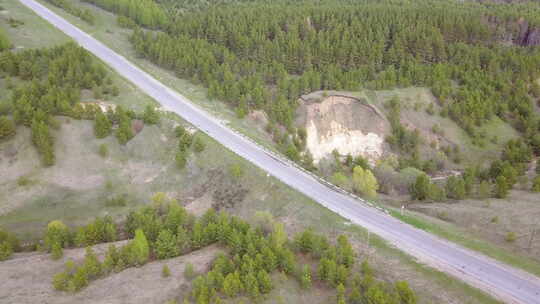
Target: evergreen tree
x=102 y=126
x=140 y=248
x=166 y=245
x=455 y=188
x=264 y=280
x=421 y=187
x=165 y=271
x=5 y=251
x=501 y=187
x=536 y=184
x=305 y=279
x=150 y=116
x=7 y=128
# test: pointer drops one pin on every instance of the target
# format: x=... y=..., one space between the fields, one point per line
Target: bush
x=179 y=131
x=455 y=188
x=339 y=179
x=236 y=171
x=7 y=128
x=56 y=251
x=140 y=248
x=23 y=181
x=501 y=187
x=5 y=251
x=510 y=237
x=484 y=190
x=103 y=150
x=198 y=145
x=117 y=201
x=165 y=246
x=102 y=125
x=421 y=188
x=364 y=182
x=165 y=271
x=189 y=271
x=180 y=159
x=150 y=116
x=536 y=184
x=57 y=234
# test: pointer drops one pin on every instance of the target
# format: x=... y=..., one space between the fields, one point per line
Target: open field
x=484 y=226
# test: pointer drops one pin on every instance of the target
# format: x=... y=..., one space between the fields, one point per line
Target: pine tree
x=5 y=251
x=501 y=187
x=140 y=248
x=150 y=116
x=265 y=282
x=7 y=128
x=455 y=188
x=165 y=271
x=102 y=126
x=92 y=265
x=305 y=279
x=166 y=245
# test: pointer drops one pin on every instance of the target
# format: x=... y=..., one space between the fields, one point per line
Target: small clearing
x=28 y=277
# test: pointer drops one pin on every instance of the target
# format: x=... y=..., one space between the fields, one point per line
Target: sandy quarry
x=345 y=124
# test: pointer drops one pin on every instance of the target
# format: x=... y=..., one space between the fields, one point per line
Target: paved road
x=510 y=285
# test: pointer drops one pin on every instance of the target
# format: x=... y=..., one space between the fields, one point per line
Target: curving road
x=506 y=283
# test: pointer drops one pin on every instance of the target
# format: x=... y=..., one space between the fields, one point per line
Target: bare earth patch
x=26 y=278
x=344 y=124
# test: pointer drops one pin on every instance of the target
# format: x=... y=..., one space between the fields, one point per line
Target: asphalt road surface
x=506 y=283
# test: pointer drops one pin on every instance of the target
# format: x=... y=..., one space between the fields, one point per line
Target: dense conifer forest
x=476 y=57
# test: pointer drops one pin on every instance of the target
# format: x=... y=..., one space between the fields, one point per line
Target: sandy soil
x=26 y=278
x=345 y=124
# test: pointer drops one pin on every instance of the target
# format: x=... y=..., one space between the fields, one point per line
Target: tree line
x=143 y=12
x=84 y=14
x=165 y=230
x=52 y=80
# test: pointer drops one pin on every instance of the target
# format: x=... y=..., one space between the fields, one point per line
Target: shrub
x=117 y=201
x=165 y=271
x=339 y=179
x=23 y=181
x=189 y=272
x=536 y=184
x=510 y=237
x=102 y=125
x=484 y=190
x=165 y=246
x=364 y=182
x=455 y=188
x=7 y=128
x=236 y=171
x=56 y=251
x=140 y=248
x=179 y=131
x=180 y=159
x=150 y=115
x=57 y=233
x=199 y=145
x=305 y=279
x=5 y=251
x=420 y=189
x=501 y=187
x=103 y=150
